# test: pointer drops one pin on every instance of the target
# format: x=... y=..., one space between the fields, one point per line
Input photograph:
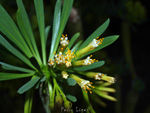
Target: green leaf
x=50 y=90
x=11 y=67
x=47 y=29
x=104 y=95
x=67 y=6
x=71 y=98
x=25 y=27
x=9 y=76
x=28 y=101
x=40 y=18
x=71 y=82
x=56 y=25
x=23 y=30
x=89 y=67
x=96 y=34
x=8 y=27
x=106 y=89
x=97 y=100
x=107 y=41
x=28 y=85
x=14 y=51
x=73 y=39
x=76 y=46
x=43 y=79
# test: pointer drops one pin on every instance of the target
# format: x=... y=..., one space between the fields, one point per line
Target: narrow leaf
x=106 y=89
x=28 y=85
x=67 y=6
x=8 y=27
x=104 y=95
x=11 y=67
x=27 y=27
x=106 y=42
x=76 y=46
x=28 y=101
x=47 y=29
x=56 y=25
x=73 y=39
x=96 y=34
x=14 y=51
x=24 y=32
x=9 y=76
x=40 y=18
x=89 y=67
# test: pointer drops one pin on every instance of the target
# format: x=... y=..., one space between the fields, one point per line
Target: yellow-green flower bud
x=84 y=84
x=84 y=62
x=58 y=100
x=109 y=79
x=67 y=104
x=96 y=76
x=64 y=74
x=51 y=105
x=94 y=44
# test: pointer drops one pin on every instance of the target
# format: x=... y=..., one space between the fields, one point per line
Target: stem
x=57 y=86
x=45 y=103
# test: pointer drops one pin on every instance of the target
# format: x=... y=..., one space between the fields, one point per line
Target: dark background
x=127 y=59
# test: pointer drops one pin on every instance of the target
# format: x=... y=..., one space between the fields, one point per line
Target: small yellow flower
x=109 y=79
x=51 y=62
x=96 y=76
x=94 y=44
x=84 y=62
x=64 y=41
x=100 y=76
x=84 y=84
x=64 y=74
x=63 y=59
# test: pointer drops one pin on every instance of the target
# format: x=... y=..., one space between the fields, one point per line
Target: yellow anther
x=91 y=55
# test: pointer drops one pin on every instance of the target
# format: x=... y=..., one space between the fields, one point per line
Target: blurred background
x=127 y=59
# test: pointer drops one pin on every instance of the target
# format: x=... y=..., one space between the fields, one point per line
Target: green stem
x=57 y=86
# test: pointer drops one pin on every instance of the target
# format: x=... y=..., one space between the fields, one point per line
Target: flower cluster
x=68 y=63
x=66 y=58
x=61 y=59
